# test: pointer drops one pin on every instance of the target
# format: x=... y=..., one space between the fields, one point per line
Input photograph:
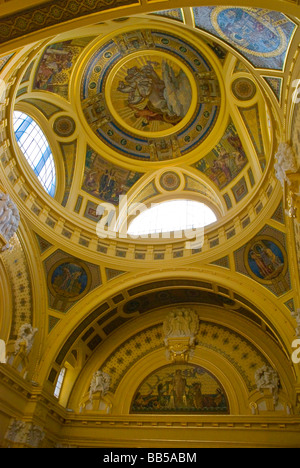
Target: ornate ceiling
x=138 y=101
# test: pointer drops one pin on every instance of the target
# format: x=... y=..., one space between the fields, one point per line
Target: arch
x=67 y=334
x=220 y=363
x=231 y=381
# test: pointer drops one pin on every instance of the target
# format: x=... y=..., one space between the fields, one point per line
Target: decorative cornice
x=52 y=13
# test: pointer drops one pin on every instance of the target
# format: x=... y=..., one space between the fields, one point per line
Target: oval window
x=36 y=150
x=171 y=216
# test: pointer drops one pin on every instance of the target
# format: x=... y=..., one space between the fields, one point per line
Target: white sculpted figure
x=181 y=322
x=286 y=162
x=9 y=217
x=268 y=378
x=100 y=383
x=25 y=337
x=2 y=352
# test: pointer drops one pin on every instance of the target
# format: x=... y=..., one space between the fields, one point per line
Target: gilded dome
x=144 y=98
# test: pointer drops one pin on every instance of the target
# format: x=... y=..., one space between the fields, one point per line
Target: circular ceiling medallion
x=69 y=280
x=150 y=95
x=64 y=126
x=170 y=181
x=266 y=260
x=243 y=89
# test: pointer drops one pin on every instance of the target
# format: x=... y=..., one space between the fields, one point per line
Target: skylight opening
x=172 y=216
x=36 y=150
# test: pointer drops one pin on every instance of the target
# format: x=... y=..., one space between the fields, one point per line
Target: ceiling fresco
x=260 y=35
x=55 y=66
x=181 y=388
x=150 y=95
x=105 y=180
x=226 y=161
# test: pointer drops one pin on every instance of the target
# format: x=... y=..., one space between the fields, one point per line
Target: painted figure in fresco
x=106 y=181
x=53 y=63
x=201 y=401
x=226 y=161
x=266 y=259
x=229 y=163
x=164 y=97
x=69 y=280
x=253 y=34
x=179 y=387
x=91 y=180
x=196 y=395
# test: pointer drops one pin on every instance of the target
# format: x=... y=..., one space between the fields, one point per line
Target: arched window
x=60 y=382
x=36 y=150
x=171 y=216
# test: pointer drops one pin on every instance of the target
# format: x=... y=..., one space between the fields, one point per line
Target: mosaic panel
x=181 y=388
x=69 y=279
x=4 y=60
x=164 y=99
x=106 y=181
x=261 y=36
x=55 y=67
x=175 y=14
x=265 y=260
x=275 y=84
x=226 y=161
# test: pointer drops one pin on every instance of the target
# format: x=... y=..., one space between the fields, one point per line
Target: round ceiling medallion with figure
x=150 y=95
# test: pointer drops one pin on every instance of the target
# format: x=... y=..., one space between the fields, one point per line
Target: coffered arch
x=215 y=354
x=94 y=330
